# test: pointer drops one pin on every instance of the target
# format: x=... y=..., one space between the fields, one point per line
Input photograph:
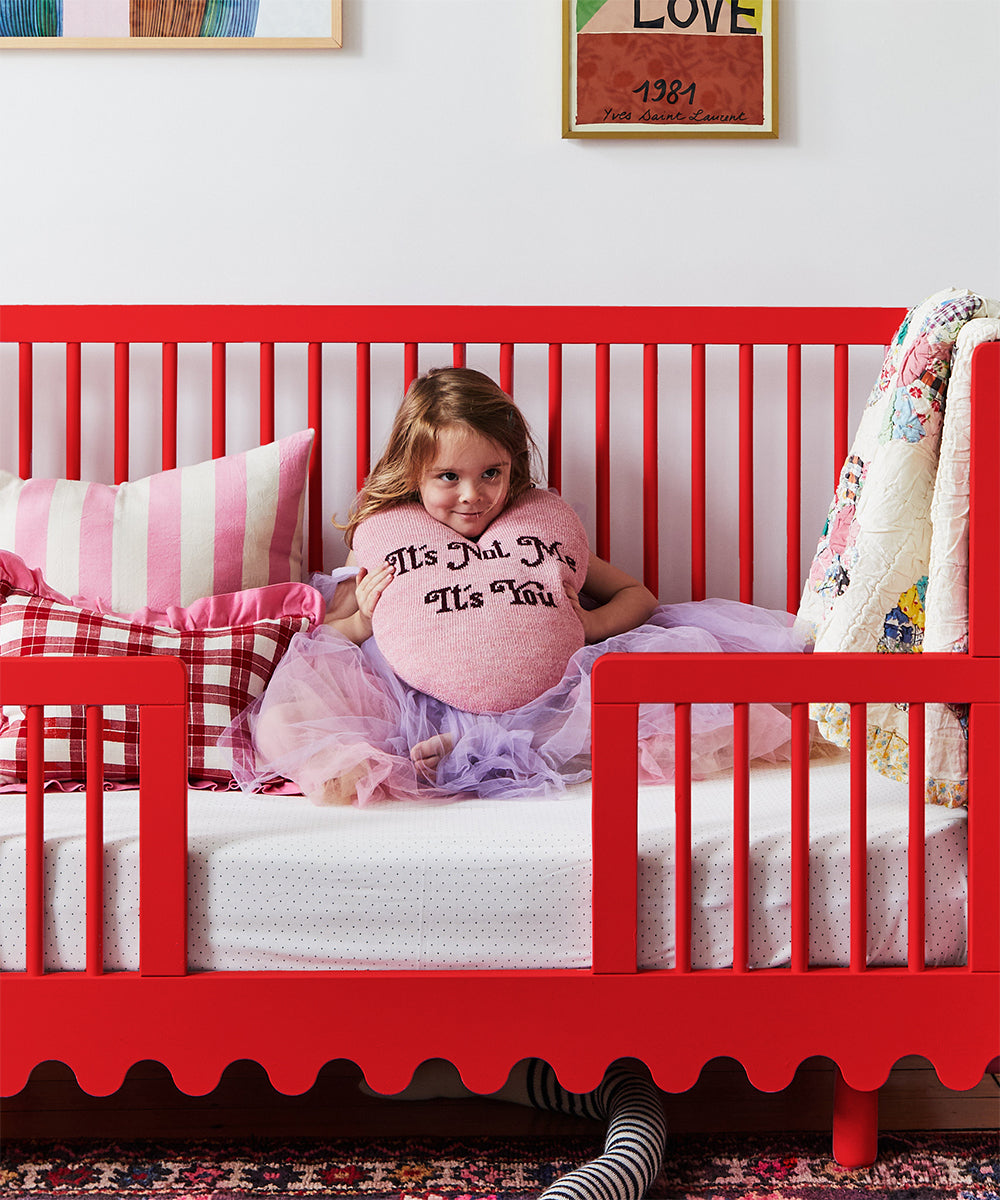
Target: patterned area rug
x=913 y=1166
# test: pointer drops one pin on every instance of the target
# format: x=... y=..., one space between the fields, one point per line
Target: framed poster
x=670 y=68
x=170 y=24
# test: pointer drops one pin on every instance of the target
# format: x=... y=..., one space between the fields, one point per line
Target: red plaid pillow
x=227 y=669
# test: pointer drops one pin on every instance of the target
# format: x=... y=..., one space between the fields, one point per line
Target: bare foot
x=427 y=754
x=343 y=789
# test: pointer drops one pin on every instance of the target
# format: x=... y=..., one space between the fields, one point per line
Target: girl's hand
x=369 y=587
x=621 y=602
x=586 y=615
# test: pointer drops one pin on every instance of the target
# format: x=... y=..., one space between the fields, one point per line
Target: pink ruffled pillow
x=220 y=526
x=230 y=645
x=485 y=626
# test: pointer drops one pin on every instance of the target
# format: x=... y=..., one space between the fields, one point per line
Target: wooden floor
x=244 y=1104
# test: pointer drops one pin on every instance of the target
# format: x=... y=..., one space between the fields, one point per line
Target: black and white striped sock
x=636 y=1138
x=627 y=1099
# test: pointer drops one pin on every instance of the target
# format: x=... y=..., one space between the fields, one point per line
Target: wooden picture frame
x=172 y=24
x=670 y=68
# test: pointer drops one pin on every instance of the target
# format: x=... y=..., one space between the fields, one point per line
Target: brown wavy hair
x=444 y=396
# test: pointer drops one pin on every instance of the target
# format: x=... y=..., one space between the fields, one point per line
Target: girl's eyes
x=452 y=477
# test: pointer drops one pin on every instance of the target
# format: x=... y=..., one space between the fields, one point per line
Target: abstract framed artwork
x=171 y=24
x=670 y=68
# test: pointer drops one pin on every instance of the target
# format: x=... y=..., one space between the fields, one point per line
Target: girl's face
x=465 y=485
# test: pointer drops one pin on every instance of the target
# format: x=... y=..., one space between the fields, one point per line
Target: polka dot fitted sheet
x=276 y=883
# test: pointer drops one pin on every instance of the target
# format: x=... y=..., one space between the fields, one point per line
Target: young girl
x=459 y=639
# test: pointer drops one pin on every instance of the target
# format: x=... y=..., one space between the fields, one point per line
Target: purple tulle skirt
x=337 y=711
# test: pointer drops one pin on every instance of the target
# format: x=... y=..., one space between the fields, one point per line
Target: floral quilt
x=890 y=574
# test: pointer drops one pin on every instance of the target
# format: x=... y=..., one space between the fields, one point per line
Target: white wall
x=423 y=162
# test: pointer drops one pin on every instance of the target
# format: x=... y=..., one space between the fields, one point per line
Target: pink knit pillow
x=220 y=526
x=485 y=626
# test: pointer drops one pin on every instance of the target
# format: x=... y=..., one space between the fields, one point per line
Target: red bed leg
x=855 y=1124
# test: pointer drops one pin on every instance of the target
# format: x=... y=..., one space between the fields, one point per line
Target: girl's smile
x=466 y=484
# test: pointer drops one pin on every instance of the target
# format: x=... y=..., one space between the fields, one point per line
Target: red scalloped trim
x=580 y=1072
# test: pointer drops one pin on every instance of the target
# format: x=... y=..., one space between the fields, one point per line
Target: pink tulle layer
x=334 y=711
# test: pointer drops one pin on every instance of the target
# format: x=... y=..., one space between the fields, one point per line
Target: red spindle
x=25 y=383
x=859 y=837
x=218 y=399
x=682 y=837
x=741 y=837
x=266 y=393
x=800 y=837
x=603 y=460
x=650 y=469
x=507 y=367
x=121 y=411
x=95 y=840
x=984 y=502
x=555 y=416
x=411 y=362
x=315 y=387
x=984 y=836
x=73 y=414
x=698 y=476
x=915 y=852
x=746 y=474
x=34 y=867
x=363 y=413
x=614 y=838
x=458 y=354
x=841 y=411
x=984 y=639
x=168 y=406
x=793 y=501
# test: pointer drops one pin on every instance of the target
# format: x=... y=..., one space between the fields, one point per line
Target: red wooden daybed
x=292 y=1022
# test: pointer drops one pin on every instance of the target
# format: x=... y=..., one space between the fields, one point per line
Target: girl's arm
x=623 y=603
x=350 y=612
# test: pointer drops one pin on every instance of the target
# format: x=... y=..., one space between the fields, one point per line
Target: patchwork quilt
x=890 y=573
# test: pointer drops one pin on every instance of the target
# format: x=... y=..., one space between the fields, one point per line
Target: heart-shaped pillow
x=485 y=626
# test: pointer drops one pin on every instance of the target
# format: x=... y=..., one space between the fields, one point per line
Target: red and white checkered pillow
x=227 y=669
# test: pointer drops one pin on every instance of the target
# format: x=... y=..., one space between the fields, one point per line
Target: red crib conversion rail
x=158 y=686
x=293 y=1022
x=898 y=1022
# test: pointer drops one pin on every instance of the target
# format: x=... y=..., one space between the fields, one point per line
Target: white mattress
x=276 y=882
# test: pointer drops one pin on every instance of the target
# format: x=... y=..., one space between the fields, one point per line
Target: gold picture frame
x=172 y=25
x=670 y=68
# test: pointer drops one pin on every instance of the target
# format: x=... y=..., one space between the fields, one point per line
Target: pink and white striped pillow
x=220 y=526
